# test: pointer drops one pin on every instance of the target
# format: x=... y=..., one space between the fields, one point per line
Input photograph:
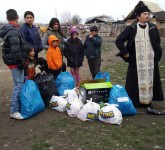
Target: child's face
x=55 y=43
x=31 y=53
x=75 y=35
x=56 y=26
x=93 y=33
x=29 y=19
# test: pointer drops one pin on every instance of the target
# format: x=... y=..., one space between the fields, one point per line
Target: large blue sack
x=64 y=81
x=31 y=101
x=119 y=96
x=103 y=75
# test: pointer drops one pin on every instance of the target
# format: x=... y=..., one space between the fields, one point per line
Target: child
x=13 y=57
x=74 y=52
x=93 y=50
x=55 y=29
x=30 y=63
x=54 y=56
x=30 y=32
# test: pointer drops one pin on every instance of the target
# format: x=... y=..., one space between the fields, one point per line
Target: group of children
x=22 y=45
x=74 y=51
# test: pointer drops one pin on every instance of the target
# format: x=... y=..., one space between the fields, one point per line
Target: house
x=104 y=24
x=157 y=14
x=99 y=19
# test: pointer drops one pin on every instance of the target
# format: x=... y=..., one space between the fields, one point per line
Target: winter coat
x=49 y=32
x=13 y=52
x=54 y=57
x=93 y=47
x=74 y=52
x=128 y=35
x=32 y=36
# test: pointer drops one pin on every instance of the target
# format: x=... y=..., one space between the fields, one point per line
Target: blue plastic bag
x=119 y=96
x=103 y=75
x=31 y=101
x=64 y=81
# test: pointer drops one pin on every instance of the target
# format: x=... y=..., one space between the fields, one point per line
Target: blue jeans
x=18 y=80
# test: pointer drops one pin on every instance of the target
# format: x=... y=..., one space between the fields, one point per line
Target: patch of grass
x=62 y=122
x=117 y=72
x=162 y=69
x=132 y=134
x=104 y=48
x=40 y=144
x=107 y=46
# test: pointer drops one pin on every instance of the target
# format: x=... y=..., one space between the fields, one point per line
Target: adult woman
x=54 y=29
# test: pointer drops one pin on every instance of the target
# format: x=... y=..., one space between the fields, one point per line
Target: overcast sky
x=44 y=10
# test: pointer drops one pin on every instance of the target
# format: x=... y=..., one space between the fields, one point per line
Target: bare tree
x=76 y=19
x=66 y=17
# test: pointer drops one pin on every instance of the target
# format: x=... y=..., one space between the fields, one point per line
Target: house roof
x=154 y=7
x=157 y=12
x=99 y=19
x=159 y=15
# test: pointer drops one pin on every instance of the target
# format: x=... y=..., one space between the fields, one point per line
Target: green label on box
x=97 y=85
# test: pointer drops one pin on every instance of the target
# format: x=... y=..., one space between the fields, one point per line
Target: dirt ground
x=25 y=135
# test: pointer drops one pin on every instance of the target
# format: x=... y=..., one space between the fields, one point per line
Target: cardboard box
x=98 y=90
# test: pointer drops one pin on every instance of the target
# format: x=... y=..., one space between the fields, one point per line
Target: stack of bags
x=119 y=104
x=72 y=103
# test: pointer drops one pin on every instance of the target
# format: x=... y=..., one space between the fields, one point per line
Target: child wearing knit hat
x=74 y=52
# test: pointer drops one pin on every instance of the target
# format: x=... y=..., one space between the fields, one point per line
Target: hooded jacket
x=60 y=37
x=54 y=57
x=13 y=48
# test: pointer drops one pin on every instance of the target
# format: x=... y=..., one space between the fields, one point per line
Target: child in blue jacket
x=92 y=47
x=31 y=33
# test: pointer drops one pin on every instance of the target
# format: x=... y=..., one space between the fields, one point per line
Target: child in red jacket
x=30 y=63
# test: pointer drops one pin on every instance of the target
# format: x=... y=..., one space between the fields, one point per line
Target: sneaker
x=16 y=115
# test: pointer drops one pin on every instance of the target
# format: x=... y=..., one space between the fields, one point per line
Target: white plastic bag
x=58 y=103
x=110 y=114
x=71 y=94
x=73 y=107
x=89 y=111
x=82 y=95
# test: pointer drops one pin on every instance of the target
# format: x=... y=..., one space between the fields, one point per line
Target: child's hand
x=90 y=36
x=126 y=55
